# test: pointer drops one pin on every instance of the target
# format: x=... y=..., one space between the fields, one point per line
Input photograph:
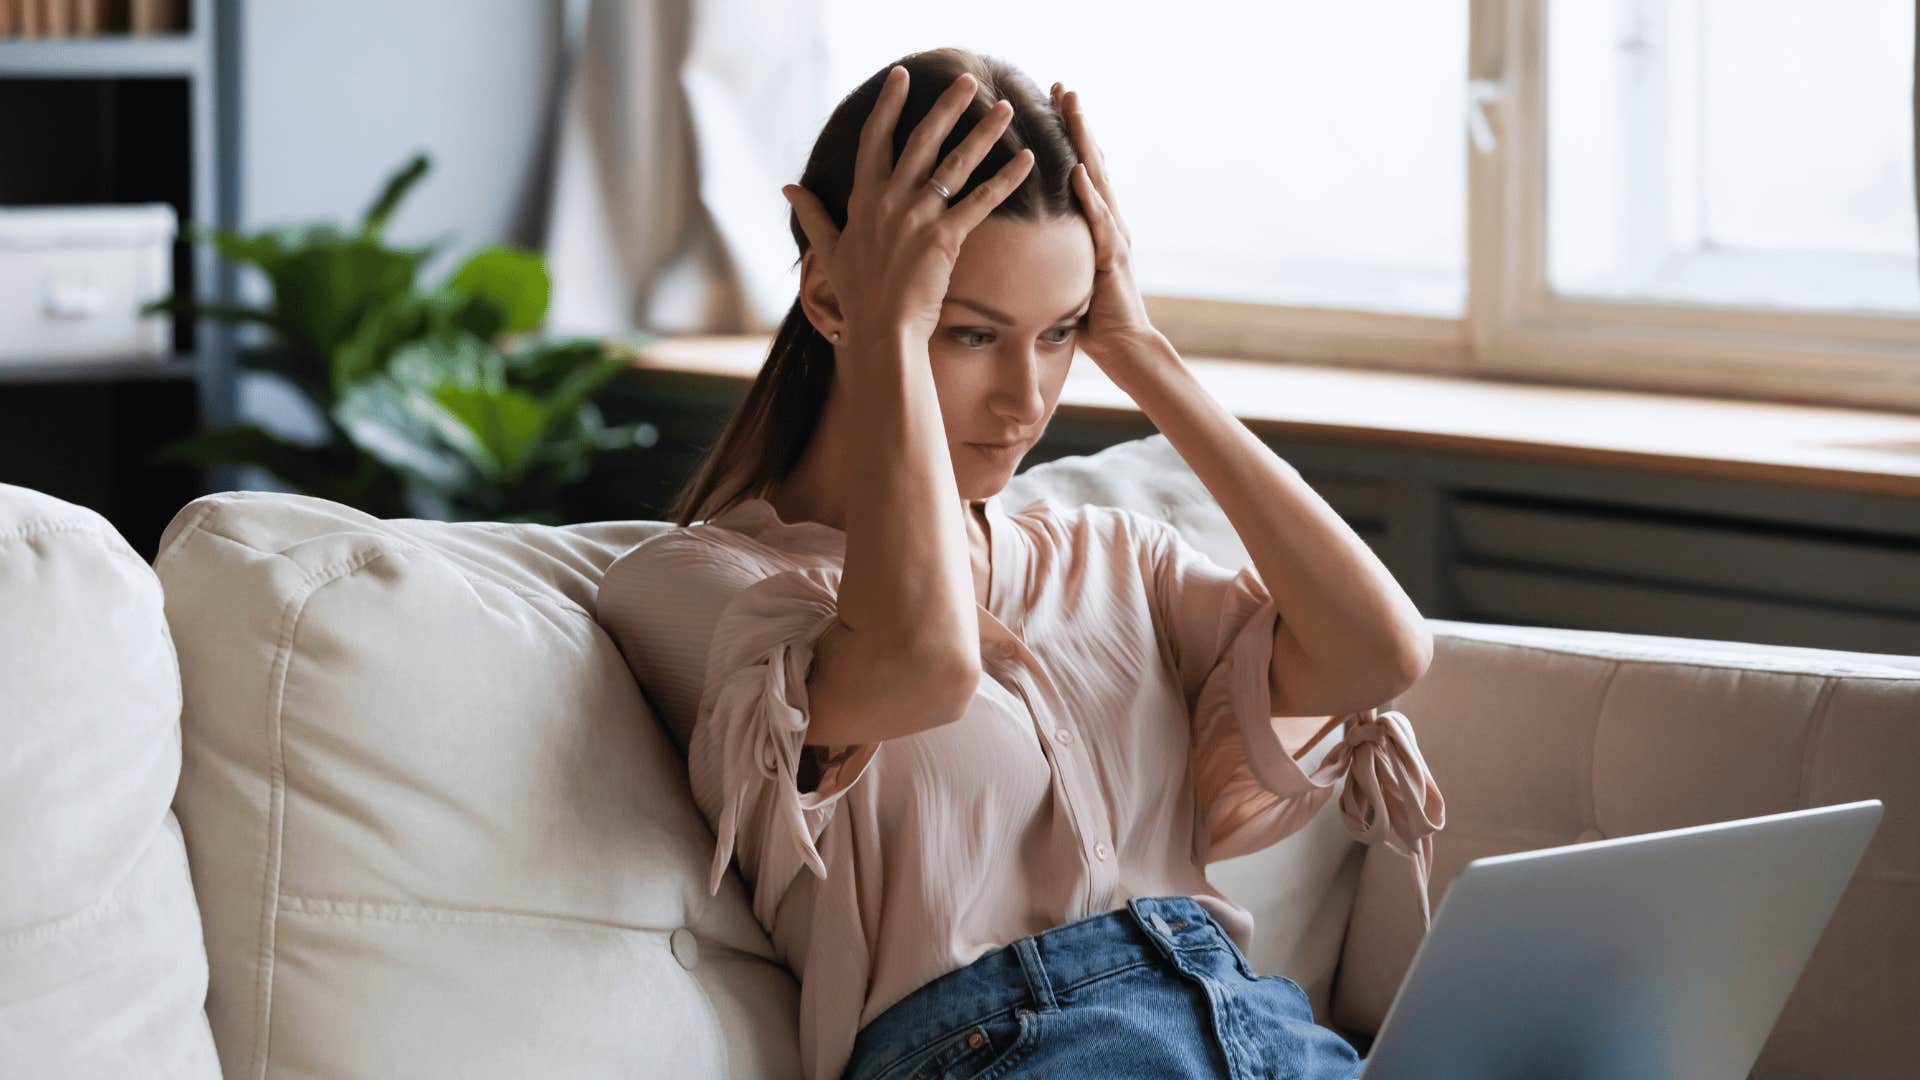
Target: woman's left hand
x=1117 y=325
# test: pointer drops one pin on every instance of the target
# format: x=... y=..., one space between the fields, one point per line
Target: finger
x=821 y=232
x=916 y=158
x=874 y=158
x=972 y=210
x=1089 y=150
x=954 y=172
x=1107 y=242
x=1095 y=158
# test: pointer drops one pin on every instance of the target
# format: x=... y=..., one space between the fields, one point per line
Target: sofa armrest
x=1541 y=737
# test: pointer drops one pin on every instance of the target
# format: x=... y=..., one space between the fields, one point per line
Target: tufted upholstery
x=435 y=829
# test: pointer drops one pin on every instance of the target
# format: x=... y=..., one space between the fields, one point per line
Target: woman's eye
x=968 y=337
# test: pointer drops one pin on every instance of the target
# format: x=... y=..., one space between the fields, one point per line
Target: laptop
x=1669 y=954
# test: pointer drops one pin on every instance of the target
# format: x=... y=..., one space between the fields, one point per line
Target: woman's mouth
x=997 y=451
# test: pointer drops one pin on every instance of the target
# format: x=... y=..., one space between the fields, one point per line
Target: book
x=154 y=17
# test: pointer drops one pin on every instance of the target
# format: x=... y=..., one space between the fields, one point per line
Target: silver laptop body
x=1669 y=954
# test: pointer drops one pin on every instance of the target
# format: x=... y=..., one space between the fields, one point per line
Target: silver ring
x=939 y=187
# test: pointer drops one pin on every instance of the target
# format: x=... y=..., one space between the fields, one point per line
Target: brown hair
x=770 y=429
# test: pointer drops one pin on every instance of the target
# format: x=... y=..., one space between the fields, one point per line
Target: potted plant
x=438 y=401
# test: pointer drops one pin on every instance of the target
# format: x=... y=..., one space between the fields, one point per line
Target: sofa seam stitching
x=273 y=856
x=193 y=524
x=1593 y=750
x=393 y=545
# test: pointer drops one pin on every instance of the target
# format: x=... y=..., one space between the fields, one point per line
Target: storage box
x=73 y=278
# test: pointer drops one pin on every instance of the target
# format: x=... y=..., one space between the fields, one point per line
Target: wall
x=335 y=96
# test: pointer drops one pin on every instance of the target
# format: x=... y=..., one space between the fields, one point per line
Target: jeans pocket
x=985 y=1048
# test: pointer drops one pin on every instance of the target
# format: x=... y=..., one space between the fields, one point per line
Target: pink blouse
x=1120 y=739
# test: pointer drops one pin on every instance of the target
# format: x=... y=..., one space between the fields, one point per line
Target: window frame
x=1516 y=328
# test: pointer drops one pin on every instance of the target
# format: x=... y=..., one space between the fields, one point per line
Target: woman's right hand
x=890 y=267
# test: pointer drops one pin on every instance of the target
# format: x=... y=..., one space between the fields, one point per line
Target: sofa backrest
x=102 y=973
x=1541 y=737
x=435 y=828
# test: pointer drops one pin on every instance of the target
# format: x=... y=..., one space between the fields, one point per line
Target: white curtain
x=681 y=120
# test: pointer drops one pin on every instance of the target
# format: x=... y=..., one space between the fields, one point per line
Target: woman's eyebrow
x=1002 y=317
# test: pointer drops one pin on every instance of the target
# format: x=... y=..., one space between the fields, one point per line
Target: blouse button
x=1062 y=736
x=1101 y=849
x=1004 y=650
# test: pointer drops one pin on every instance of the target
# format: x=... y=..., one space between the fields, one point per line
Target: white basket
x=72 y=279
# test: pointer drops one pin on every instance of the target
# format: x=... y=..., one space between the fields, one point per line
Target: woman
x=1005 y=742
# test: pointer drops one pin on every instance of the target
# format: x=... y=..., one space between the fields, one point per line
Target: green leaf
x=507 y=423
x=579 y=384
x=542 y=366
x=382 y=330
x=322 y=293
x=185 y=307
x=291 y=364
x=454 y=359
x=396 y=188
x=513 y=281
x=269 y=248
x=388 y=421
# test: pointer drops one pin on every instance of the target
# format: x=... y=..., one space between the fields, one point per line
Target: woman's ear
x=817 y=298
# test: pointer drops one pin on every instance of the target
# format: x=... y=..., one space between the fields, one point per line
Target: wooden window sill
x=1831 y=448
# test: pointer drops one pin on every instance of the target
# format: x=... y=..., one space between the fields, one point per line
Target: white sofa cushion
x=436 y=830
x=102 y=972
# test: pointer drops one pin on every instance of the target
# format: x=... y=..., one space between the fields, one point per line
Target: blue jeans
x=1155 y=989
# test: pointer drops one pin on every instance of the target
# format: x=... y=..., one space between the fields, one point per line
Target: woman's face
x=1006 y=339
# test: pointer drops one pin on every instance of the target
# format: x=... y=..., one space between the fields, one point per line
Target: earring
x=836 y=337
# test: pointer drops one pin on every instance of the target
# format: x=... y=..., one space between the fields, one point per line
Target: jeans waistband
x=1028 y=972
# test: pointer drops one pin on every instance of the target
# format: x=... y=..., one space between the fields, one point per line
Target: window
x=1734 y=152
x=1712 y=196
x=1303 y=158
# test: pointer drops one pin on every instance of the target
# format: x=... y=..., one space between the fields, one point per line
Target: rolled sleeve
x=1250 y=787
x=747 y=742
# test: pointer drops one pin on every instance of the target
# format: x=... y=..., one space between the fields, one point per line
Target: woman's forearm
x=1350 y=637
x=908 y=575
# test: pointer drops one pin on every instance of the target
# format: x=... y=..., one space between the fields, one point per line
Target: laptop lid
x=1667 y=954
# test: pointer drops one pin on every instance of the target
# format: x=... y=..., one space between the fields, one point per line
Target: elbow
x=948 y=678
x=1411 y=659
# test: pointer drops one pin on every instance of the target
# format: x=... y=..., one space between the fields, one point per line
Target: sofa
x=319 y=794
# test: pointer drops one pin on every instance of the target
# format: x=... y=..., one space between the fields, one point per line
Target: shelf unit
x=119 y=119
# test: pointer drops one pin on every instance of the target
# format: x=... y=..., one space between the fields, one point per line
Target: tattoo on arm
x=834 y=755
x=815 y=760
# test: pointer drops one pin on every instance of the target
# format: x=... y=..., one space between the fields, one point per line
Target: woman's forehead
x=1034 y=271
